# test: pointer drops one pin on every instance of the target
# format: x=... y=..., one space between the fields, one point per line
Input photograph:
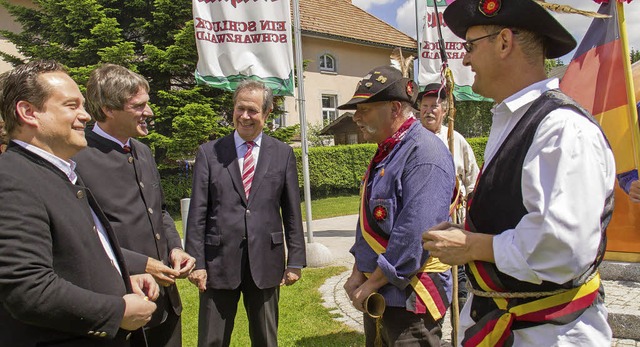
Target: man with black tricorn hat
x=534 y=235
x=407 y=187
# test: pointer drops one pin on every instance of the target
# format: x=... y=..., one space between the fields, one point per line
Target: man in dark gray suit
x=63 y=281
x=245 y=186
x=123 y=176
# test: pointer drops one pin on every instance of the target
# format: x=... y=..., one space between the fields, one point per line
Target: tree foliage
x=152 y=37
x=635 y=55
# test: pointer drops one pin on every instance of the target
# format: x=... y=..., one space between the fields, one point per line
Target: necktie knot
x=126 y=148
x=250 y=145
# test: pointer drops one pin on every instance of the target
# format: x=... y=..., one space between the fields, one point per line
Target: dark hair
x=111 y=86
x=22 y=84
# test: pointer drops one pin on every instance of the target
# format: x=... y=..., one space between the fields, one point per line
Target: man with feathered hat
x=535 y=229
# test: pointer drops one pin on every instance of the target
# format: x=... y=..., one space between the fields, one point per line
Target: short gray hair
x=267 y=93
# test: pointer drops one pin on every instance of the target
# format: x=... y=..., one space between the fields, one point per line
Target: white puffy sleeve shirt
x=567 y=174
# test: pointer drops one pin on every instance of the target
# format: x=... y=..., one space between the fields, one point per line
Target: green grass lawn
x=303 y=319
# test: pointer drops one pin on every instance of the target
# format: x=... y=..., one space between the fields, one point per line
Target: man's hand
x=199 y=278
x=360 y=295
x=354 y=281
x=456 y=246
x=182 y=262
x=291 y=276
x=164 y=275
x=145 y=286
x=634 y=191
x=137 y=311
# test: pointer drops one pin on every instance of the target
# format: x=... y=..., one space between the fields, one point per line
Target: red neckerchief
x=385 y=147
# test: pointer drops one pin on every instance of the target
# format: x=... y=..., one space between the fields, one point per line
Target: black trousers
x=403 y=328
x=218 y=309
x=167 y=334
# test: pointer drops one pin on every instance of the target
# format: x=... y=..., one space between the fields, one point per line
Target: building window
x=352 y=139
x=327 y=63
x=329 y=111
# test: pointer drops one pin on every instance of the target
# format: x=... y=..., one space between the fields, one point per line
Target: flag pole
x=632 y=113
x=303 y=118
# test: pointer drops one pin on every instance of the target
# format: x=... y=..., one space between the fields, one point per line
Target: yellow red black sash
x=495 y=328
x=428 y=293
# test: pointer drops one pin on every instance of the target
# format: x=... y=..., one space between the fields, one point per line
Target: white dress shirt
x=96 y=129
x=68 y=167
x=241 y=149
x=567 y=174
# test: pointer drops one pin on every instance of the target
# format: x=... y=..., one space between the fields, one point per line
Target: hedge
x=335 y=170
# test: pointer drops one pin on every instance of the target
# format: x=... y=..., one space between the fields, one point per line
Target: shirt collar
x=238 y=141
x=68 y=167
x=528 y=94
x=99 y=131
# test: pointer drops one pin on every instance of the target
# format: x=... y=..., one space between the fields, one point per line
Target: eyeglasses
x=468 y=45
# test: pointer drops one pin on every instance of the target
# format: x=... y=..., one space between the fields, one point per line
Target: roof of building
x=337 y=123
x=341 y=20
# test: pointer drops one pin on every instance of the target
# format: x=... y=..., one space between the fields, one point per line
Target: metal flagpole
x=303 y=117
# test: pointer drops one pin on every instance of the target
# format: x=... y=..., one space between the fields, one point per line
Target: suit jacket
x=220 y=217
x=127 y=186
x=58 y=287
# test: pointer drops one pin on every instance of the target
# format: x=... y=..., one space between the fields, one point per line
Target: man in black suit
x=63 y=281
x=245 y=187
x=123 y=176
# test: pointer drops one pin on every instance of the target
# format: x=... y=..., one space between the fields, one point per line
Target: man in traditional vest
x=535 y=230
x=407 y=187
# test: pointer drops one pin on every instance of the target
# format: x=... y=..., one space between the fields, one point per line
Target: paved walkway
x=338 y=234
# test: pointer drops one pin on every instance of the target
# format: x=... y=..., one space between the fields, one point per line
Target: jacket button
x=80 y=194
x=103 y=334
x=141 y=185
x=474 y=314
x=247 y=212
x=150 y=210
x=130 y=160
x=90 y=332
x=157 y=236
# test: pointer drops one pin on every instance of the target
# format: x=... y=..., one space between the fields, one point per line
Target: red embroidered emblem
x=489 y=8
x=380 y=213
x=410 y=88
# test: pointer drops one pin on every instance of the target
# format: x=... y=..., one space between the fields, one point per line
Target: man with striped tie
x=245 y=189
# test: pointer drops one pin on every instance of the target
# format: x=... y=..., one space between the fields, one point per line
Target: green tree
x=152 y=37
x=635 y=55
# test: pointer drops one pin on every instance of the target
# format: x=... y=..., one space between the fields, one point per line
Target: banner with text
x=429 y=51
x=240 y=39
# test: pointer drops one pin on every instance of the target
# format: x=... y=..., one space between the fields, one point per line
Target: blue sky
x=401 y=14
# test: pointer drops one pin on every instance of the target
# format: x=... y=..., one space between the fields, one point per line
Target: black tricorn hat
x=523 y=14
x=432 y=89
x=384 y=83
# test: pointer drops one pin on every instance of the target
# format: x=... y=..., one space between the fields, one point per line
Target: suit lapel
x=113 y=240
x=226 y=151
x=262 y=166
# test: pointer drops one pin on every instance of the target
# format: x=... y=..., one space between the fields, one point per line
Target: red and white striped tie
x=248 y=168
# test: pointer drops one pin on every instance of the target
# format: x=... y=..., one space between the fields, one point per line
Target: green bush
x=335 y=170
x=176 y=185
x=478 y=144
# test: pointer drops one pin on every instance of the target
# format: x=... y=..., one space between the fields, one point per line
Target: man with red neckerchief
x=408 y=186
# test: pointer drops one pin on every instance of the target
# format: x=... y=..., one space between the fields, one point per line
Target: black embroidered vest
x=497 y=201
